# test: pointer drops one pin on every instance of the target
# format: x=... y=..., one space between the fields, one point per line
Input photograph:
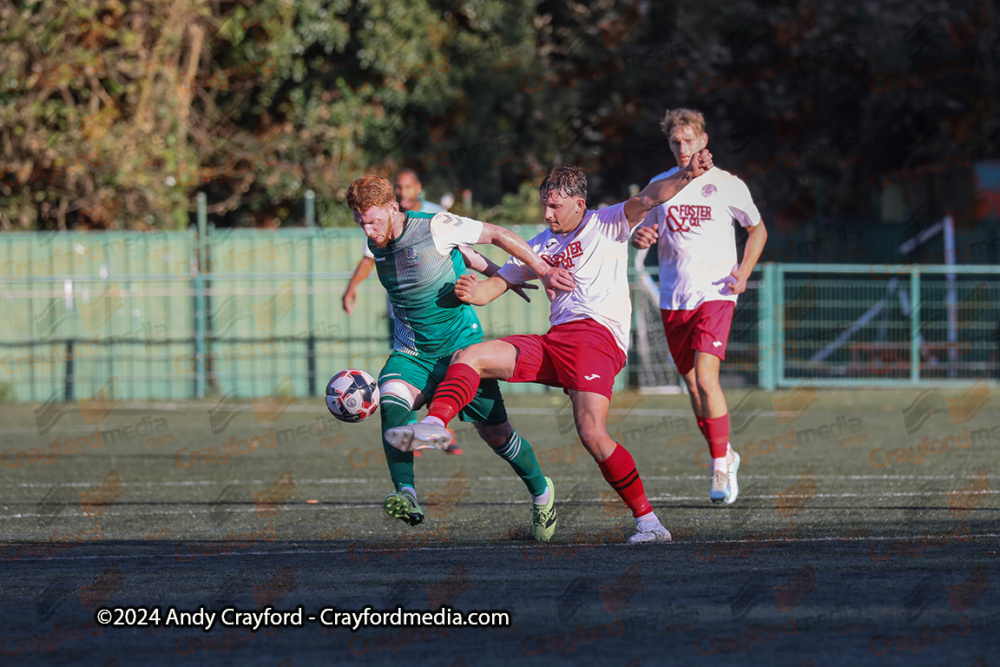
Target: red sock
x=703 y=427
x=717 y=434
x=456 y=390
x=619 y=471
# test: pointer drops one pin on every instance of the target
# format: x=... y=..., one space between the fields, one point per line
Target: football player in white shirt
x=700 y=280
x=586 y=346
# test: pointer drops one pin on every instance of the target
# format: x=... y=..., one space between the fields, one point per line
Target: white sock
x=431 y=420
x=544 y=498
x=722 y=464
x=646 y=522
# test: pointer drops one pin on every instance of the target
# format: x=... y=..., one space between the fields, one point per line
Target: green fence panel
x=83 y=312
x=887 y=325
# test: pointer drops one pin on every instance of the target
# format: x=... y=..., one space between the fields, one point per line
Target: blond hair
x=679 y=117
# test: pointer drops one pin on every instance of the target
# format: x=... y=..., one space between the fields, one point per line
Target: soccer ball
x=352 y=395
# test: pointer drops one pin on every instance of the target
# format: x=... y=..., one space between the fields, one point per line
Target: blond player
x=700 y=279
x=585 y=347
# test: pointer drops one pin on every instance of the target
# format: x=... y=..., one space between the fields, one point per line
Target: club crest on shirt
x=411 y=256
x=708 y=190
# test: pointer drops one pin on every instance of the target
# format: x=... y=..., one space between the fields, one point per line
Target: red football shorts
x=704 y=329
x=581 y=355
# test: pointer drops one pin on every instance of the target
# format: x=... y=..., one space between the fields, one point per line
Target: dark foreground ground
x=866 y=533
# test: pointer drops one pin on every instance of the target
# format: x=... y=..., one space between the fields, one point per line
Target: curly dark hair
x=566 y=180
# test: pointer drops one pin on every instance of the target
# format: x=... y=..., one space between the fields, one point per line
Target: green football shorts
x=426 y=373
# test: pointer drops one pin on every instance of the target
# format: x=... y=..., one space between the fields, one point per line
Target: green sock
x=518 y=453
x=396 y=412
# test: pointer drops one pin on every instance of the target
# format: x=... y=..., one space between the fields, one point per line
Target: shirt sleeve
x=741 y=205
x=366 y=251
x=450 y=231
x=613 y=223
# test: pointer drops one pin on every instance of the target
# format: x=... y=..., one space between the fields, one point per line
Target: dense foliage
x=116 y=114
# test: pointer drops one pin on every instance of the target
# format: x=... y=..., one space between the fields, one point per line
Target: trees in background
x=113 y=114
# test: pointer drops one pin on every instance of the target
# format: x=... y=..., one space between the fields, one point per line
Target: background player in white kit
x=586 y=346
x=700 y=280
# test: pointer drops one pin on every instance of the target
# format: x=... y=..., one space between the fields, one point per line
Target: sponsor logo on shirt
x=566 y=257
x=682 y=218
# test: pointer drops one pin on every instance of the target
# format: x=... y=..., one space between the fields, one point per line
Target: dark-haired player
x=586 y=346
x=418 y=260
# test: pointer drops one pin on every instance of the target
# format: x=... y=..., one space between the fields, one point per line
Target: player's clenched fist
x=645 y=236
x=466 y=287
x=700 y=162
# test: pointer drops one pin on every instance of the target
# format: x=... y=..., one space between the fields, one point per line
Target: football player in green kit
x=418 y=259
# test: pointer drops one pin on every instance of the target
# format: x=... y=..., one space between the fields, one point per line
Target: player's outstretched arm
x=757 y=237
x=469 y=289
x=553 y=278
x=662 y=190
x=361 y=272
x=487 y=267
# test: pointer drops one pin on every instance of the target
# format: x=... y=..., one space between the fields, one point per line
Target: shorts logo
x=716 y=343
x=591 y=377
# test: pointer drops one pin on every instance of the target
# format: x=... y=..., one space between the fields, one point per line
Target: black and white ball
x=352 y=395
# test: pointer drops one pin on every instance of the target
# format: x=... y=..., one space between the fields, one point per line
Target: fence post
x=310 y=208
x=311 y=339
x=766 y=351
x=200 y=316
x=778 y=297
x=914 y=324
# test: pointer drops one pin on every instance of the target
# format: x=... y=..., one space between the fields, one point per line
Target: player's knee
x=495 y=435
x=708 y=385
x=594 y=438
x=398 y=389
x=464 y=356
x=474 y=356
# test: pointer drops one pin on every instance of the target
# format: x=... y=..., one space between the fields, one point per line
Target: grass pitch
x=866 y=531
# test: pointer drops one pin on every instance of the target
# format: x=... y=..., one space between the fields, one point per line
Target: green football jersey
x=419 y=270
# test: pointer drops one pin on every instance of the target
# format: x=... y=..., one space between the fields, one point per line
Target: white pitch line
x=484 y=547
x=426 y=480
x=321 y=506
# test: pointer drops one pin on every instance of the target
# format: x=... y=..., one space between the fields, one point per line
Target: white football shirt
x=596 y=253
x=697 y=244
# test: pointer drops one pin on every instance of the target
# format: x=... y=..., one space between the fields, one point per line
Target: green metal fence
x=878 y=325
x=177 y=315
x=251 y=313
